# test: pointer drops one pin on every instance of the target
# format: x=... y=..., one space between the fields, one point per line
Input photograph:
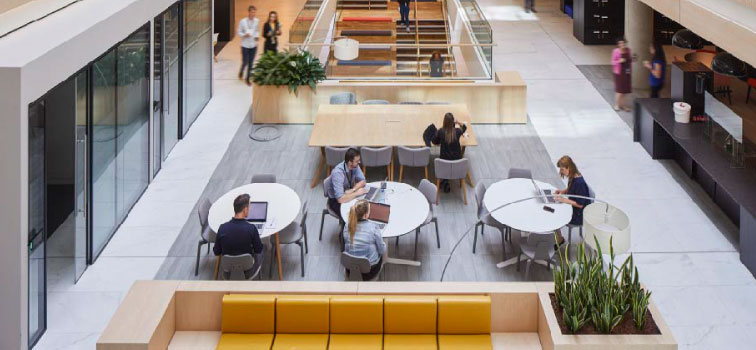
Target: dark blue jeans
x=404 y=12
x=248 y=58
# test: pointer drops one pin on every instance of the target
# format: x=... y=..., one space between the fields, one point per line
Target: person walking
x=656 y=69
x=249 y=33
x=621 y=65
x=271 y=31
x=404 y=10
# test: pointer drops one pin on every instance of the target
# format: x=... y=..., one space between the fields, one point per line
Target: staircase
x=429 y=32
x=362 y=5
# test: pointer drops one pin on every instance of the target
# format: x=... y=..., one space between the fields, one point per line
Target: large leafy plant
x=288 y=68
x=588 y=291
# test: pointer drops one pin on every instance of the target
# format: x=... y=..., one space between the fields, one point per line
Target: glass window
x=197 y=58
x=103 y=148
x=133 y=116
x=171 y=77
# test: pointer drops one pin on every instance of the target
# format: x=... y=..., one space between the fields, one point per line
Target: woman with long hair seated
x=362 y=238
x=577 y=186
x=448 y=137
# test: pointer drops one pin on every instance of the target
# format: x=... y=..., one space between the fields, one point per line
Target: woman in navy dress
x=576 y=185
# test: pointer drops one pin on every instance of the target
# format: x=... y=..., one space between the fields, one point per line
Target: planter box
x=552 y=338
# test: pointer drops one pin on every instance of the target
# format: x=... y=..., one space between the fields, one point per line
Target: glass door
x=171 y=66
x=37 y=223
x=81 y=157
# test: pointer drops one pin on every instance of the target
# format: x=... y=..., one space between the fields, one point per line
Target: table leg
x=321 y=164
x=217 y=267
x=396 y=261
x=278 y=257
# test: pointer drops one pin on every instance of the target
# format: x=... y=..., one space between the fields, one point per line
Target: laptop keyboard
x=259 y=226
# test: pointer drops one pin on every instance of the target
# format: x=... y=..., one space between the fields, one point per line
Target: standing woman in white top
x=249 y=33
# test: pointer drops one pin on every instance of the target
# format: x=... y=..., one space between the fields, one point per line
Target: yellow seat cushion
x=301 y=341
x=409 y=314
x=356 y=342
x=464 y=314
x=464 y=342
x=356 y=314
x=248 y=313
x=409 y=342
x=236 y=341
x=298 y=314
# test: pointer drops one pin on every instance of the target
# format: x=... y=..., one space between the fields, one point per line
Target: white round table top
x=283 y=206
x=529 y=215
x=409 y=208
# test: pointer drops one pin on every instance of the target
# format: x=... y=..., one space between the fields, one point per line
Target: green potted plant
x=292 y=68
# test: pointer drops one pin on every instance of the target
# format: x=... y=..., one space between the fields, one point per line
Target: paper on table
x=270 y=223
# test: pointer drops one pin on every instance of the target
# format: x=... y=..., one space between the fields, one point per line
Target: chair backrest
x=429 y=190
x=437 y=103
x=335 y=155
x=343 y=98
x=355 y=266
x=480 y=191
x=451 y=169
x=203 y=210
x=413 y=156
x=371 y=156
x=518 y=173
x=591 y=193
x=237 y=267
x=263 y=178
x=543 y=245
x=375 y=102
x=410 y=103
x=326 y=186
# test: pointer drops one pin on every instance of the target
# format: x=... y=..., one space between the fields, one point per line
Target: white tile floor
x=682 y=244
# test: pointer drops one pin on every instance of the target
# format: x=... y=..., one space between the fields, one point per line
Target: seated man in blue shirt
x=347 y=181
x=238 y=236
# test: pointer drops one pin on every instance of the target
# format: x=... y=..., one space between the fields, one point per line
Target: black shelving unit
x=598 y=22
x=664 y=28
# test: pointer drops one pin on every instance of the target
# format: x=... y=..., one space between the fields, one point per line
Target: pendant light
x=726 y=64
x=686 y=39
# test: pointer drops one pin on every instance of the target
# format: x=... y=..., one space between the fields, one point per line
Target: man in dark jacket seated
x=238 y=236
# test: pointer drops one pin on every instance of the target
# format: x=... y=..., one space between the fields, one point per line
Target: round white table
x=283 y=208
x=409 y=209
x=528 y=215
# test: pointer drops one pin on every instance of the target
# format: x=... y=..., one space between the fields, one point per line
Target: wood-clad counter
x=499 y=101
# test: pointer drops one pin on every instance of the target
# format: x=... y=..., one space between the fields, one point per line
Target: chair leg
x=397 y=241
x=464 y=190
x=475 y=239
x=518 y=261
x=329 y=171
x=301 y=256
x=438 y=189
x=272 y=261
x=199 y=249
x=503 y=245
x=569 y=235
x=389 y=173
x=527 y=268
x=208 y=248
x=322 y=220
x=438 y=238
x=401 y=172
x=426 y=172
x=364 y=171
x=417 y=234
x=304 y=235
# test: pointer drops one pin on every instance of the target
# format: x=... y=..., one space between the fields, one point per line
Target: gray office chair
x=410 y=103
x=239 y=267
x=207 y=235
x=294 y=233
x=579 y=227
x=328 y=211
x=356 y=266
x=484 y=218
x=428 y=189
x=517 y=173
x=375 y=102
x=377 y=157
x=263 y=179
x=343 y=98
x=334 y=156
x=413 y=157
x=452 y=170
x=437 y=103
x=537 y=246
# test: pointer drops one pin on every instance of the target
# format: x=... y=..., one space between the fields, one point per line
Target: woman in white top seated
x=362 y=238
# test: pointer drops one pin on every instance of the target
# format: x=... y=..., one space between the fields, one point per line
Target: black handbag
x=429 y=134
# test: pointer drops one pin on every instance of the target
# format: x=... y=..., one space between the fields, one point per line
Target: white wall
x=34 y=60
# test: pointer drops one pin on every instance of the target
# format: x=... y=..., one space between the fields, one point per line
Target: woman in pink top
x=621 y=62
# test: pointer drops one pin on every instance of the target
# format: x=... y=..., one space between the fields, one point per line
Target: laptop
x=541 y=192
x=258 y=214
x=371 y=193
x=379 y=212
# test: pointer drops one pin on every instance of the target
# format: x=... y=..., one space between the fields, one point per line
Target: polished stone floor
x=685 y=247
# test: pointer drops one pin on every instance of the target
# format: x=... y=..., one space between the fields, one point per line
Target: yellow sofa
x=352 y=322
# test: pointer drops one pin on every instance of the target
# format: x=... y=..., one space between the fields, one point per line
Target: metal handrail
x=395 y=45
x=452 y=67
x=417 y=40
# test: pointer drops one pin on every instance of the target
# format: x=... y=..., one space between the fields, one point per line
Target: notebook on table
x=379 y=212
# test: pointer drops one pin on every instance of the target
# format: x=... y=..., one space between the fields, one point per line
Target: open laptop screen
x=258 y=211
